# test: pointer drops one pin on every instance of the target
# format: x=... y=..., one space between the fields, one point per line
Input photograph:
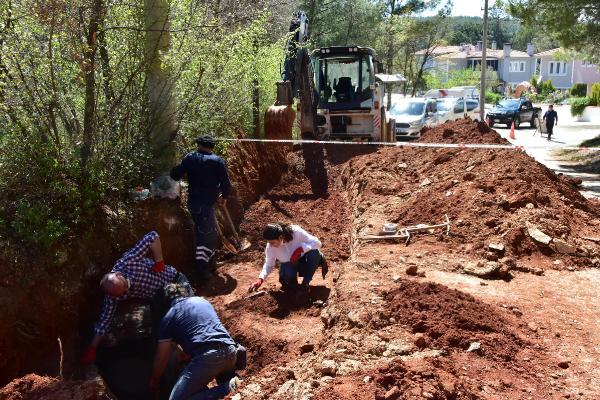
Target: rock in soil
x=412 y=270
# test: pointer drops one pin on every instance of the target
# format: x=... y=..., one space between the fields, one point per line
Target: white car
x=412 y=114
x=450 y=108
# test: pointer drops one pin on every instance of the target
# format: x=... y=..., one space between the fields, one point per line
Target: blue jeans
x=217 y=362
x=305 y=267
x=205 y=229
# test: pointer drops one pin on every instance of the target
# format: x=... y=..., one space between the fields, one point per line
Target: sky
x=471 y=8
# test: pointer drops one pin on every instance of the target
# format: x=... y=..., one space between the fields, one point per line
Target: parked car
x=518 y=111
x=469 y=92
x=412 y=114
x=451 y=108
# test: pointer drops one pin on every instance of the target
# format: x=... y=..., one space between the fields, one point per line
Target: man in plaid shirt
x=133 y=276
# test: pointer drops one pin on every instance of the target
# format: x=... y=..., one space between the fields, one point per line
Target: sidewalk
x=568 y=132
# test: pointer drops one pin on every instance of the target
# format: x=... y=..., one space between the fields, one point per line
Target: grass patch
x=582 y=156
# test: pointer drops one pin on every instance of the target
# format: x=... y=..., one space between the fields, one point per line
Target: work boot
x=304 y=288
x=204 y=275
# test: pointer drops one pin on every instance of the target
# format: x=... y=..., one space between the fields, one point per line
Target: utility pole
x=483 y=63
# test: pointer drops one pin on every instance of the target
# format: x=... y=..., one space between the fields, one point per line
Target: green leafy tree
x=88 y=90
x=595 y=98
x=574 y=23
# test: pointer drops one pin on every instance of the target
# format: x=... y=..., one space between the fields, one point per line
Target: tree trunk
x=162 y=108
x=89 y=117
x=107 y=74
x=256 y=108
x=390 y=69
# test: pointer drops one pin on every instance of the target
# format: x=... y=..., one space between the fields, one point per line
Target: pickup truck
x=518 y=111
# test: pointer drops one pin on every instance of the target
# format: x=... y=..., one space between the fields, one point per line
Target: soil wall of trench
x=51 y=301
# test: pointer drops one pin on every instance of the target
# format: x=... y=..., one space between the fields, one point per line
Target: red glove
x=255 y=285
x=296 y=255
x=159 y=266
x=89 y=355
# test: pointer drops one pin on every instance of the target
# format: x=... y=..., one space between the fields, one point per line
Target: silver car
x=411 y=115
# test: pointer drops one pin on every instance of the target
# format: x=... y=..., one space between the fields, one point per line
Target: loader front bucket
x=279 y=121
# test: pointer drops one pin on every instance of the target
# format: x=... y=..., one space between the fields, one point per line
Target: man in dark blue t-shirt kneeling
x=193 y=323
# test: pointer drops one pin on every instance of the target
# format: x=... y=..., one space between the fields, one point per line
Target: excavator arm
x=296 y=83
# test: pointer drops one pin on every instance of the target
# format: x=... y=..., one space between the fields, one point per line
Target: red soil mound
x=462 y=131
x=35 y=387
x=453 y=320
x=490 y=196
x=435 y=379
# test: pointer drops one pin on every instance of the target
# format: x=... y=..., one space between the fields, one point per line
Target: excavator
x=339 y=94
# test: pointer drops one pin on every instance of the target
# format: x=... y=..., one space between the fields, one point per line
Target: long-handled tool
x=405 y=233
x=226 y=243
x=240 y=244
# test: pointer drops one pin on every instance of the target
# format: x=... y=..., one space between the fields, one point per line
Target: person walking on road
x=133 y=276
x=551 y=118
x=298 y=252
x=192 y=323
x=208 y=183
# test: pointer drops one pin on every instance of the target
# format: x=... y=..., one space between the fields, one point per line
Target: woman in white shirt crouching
x=298 y=253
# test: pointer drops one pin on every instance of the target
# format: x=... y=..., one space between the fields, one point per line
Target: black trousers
x=549 y=128
x=205 y=230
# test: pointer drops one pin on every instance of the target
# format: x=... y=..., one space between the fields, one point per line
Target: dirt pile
x=35 y=387
x=501 y=197
x=424 y=379
x=462 y=131
x=452 y=320
x=434 y=379
x=325 y=216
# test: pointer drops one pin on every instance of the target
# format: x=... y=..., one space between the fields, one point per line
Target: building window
x=516 y=66
x=588 y=64
x=476 y=64
x=557 y=68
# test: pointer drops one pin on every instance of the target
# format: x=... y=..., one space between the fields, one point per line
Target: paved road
x=568 y=133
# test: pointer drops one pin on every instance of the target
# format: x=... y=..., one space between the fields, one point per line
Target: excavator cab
x=345 y=77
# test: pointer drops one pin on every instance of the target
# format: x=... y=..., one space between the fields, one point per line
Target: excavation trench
x=487 y=194
x=125 y=359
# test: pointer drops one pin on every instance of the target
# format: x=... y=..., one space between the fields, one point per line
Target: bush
x=579 y=90
x=535 y=82
x=595 y=99
x=492 y=98
x=557 y=97
x=579 y=104
x=546 y=88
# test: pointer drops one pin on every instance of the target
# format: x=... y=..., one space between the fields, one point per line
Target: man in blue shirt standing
x=193 y=323
x=551 y=118
x=208 y=183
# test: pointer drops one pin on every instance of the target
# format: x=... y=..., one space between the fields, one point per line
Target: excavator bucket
x=279 y=121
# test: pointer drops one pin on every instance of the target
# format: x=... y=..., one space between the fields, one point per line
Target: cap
x=206 y=141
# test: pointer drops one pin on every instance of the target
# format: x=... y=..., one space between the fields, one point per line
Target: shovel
x=240 y=244
x=226 y=243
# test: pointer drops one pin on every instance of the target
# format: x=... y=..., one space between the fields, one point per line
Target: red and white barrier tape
x=419 y=144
